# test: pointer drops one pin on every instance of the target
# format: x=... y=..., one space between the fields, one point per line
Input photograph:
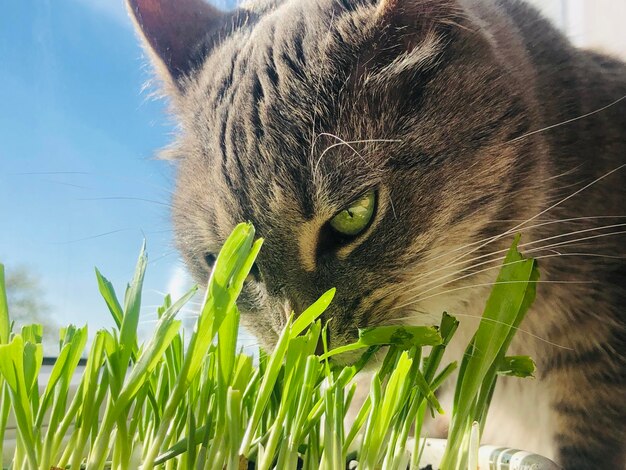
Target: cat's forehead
x=265 y=114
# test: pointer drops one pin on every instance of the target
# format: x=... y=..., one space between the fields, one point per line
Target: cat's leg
x=589 y=405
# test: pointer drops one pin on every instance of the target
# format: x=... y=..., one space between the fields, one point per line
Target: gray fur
x=446 y=97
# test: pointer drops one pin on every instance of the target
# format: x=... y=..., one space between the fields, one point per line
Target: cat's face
x=299 y=112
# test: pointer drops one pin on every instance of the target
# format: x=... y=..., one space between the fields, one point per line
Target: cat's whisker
x=163 y=256
x=486 y=284
x=593 y=229
x=561 y=175
x=555 y=254
x=568 y=121
x=574 y=219
x=154 y=313
x=578 y=240
x=417 y=279
x=473 y=273
x=454 y=262
x=157 y=232
x=119 y=198
x=420 y=297
x=577 y=232
x=408 y=289
x=92 y=237
x=498 y=322
x=548 y=209
x=545 y=223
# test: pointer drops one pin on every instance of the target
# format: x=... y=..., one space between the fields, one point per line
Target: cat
x=392 y=149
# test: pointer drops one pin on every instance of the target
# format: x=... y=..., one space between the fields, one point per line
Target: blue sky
x=79 y=186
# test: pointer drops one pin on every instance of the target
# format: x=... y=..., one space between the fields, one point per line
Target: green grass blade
x=312 y=313
x=63 y=368
x=517 y=366
x=510 y=299
x=266 y=388
x=5 y=324
x=12 y=359
x=404 y=337
x=108 y=294
x=132 y=308
x=226 y=281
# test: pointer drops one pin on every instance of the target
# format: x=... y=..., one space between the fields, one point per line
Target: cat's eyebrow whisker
x=337 y=144
x=568 y=121
x=354 y=142
x=350 y=145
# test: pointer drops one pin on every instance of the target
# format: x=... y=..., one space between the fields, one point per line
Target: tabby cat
x=391 y=149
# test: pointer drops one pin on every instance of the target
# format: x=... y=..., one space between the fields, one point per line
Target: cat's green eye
x=356 y=217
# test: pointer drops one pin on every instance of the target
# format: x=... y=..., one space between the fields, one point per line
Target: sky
x=79 y=182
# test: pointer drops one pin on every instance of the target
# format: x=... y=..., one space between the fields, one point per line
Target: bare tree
x=27 y=302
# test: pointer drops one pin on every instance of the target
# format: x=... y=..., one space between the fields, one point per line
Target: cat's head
x=371 y=142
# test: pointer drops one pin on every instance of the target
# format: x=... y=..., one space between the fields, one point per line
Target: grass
x=199 y=403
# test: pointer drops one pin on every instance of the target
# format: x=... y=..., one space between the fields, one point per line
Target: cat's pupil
x=330 y=240
x=209 y=259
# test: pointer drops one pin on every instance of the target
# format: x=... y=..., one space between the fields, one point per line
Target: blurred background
x=79 y=184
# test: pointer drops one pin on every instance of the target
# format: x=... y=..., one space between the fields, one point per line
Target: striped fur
x=289 y=110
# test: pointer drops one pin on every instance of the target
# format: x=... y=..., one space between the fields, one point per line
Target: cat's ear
x=410 y=11
x=417 y=18
x=173 y=32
